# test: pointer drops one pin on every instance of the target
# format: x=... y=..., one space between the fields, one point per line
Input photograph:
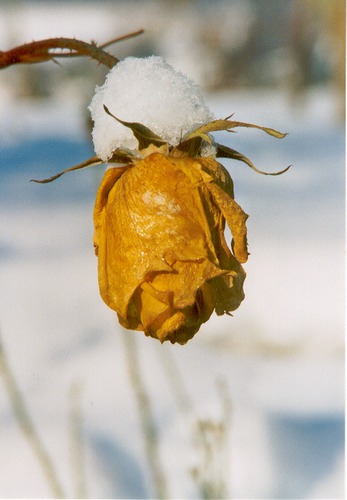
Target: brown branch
x=107 y=44
x=122 y=38
x=43 y=50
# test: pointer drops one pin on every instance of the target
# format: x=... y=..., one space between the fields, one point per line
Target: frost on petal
x=147 y=91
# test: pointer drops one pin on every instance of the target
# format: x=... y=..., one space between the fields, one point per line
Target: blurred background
x=222 y=45
x=253 y=406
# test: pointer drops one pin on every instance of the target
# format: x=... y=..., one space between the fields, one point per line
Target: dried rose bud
x=164 y=265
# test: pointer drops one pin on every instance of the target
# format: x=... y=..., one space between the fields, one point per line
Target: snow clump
x=148 y=91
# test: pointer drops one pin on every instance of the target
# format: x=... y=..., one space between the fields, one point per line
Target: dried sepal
x=218 y=125
x=192 y=143
x=189 y=147
x=94 y=160
x=202 y=133
x=143 y=134
x=226 y=152
x=121 y=156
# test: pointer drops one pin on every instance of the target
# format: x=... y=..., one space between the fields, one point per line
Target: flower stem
x=43 y=50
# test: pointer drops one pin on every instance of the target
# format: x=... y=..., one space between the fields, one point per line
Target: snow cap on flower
x=148 y=91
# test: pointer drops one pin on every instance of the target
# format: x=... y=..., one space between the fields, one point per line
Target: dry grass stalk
x=76 y=441
x=28 y=428
x=148 y=426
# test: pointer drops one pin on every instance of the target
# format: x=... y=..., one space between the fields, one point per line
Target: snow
x=148 y=91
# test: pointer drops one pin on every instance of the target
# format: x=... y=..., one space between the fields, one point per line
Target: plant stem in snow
x=149 y=430
x=76 y=439
x=26 y=425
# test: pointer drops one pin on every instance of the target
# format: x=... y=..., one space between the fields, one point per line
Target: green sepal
x=143 y=134
x=225 y=152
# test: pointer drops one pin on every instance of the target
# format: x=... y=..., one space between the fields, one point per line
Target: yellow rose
x=164 y=265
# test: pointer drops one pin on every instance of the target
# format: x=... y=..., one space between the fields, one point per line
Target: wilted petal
x=164 y=265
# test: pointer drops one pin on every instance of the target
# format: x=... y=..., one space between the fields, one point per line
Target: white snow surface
x=148 y=91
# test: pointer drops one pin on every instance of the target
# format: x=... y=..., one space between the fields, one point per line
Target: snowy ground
x=280 y=356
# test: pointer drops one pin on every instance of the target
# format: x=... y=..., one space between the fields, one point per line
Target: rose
x=163 y=263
